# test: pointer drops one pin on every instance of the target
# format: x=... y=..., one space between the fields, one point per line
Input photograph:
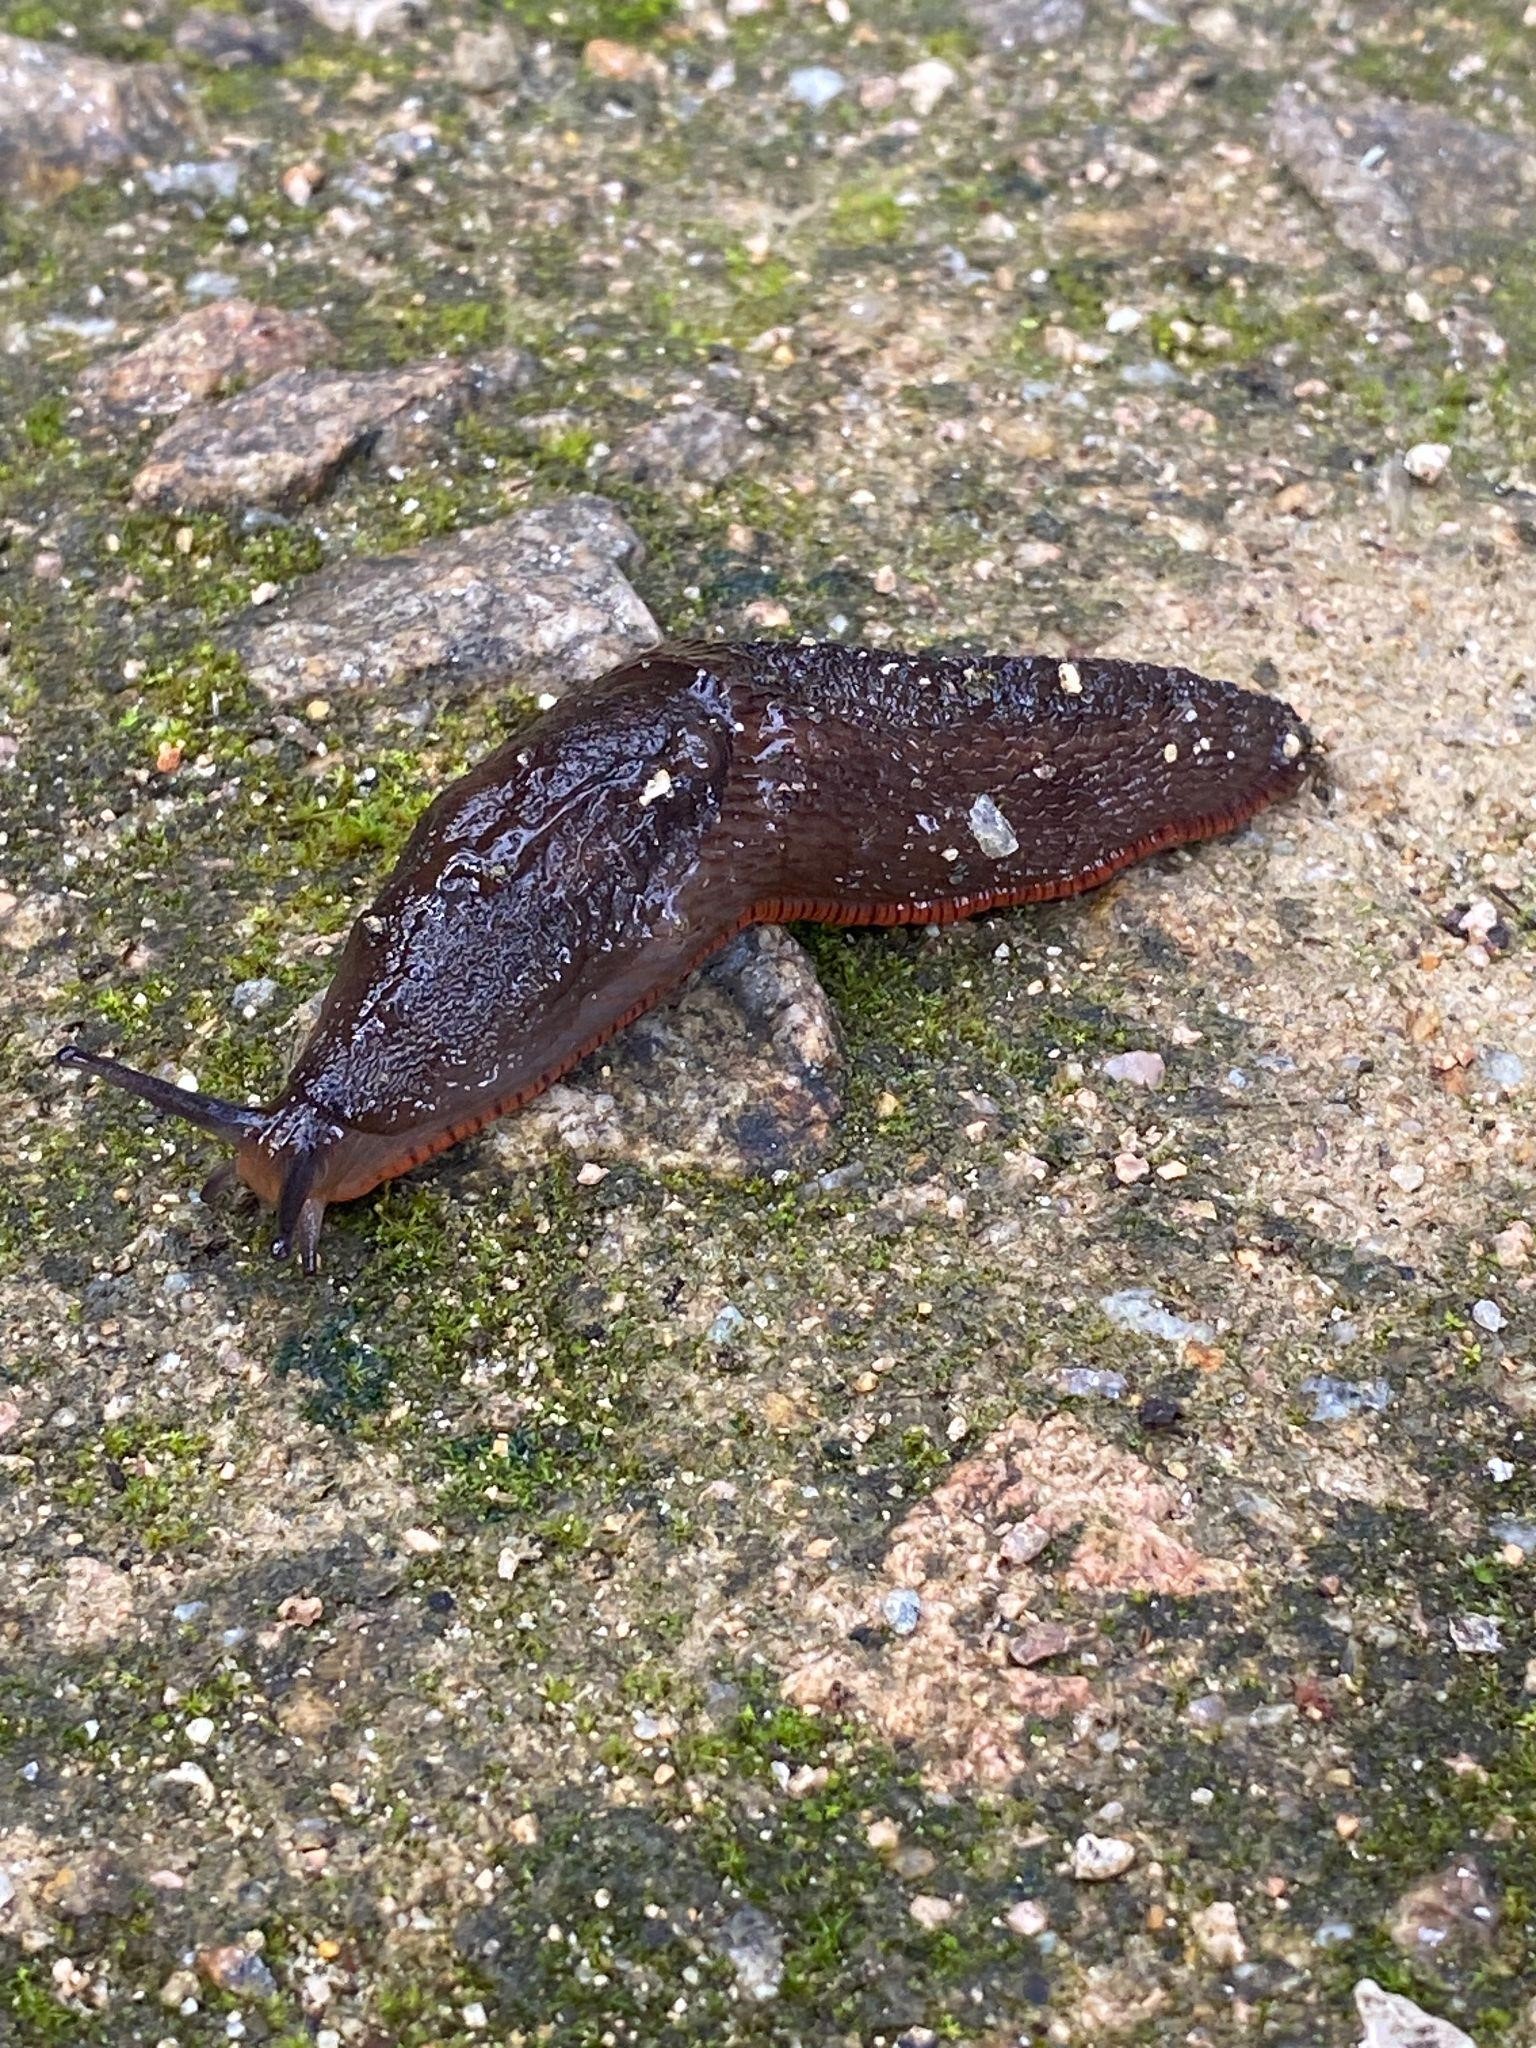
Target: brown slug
x=586 y=868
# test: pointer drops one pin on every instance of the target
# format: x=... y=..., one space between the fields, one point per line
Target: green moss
x=43 y=425
x=40 y=2017
x=153 y=1482
x=580 y=20
x=868 y=214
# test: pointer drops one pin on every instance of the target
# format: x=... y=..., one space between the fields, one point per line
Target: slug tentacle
x=208 y=1112
x=578 y=875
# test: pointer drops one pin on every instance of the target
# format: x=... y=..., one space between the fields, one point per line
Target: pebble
x=1138 y=1309
x=420 y=1542
x=1333 y=1934
x=485 y=62
x=903 y=1610
x=1392 y=2021
x=247 y=998
x=235 y=1969
x=1081 y=1382
x=926 y=84
x=1208 y=1711
x=1217 y=1934
x=1142 y=1069
x=1023 y=1543
x=930 y=1912
x=1448 y=1912
x=1504 y=1069
x=1520 y=1536
x=624 y=63
x=753 y=1945
x=1028 y=1918
x=727 y=1326
x=7 y=1889
x=1337 y=1400
x=1477 y=1635
x=1427 y=461
x=1489 y=1316
x=217 y=179
x=815 y=86
x=1040 y=1645
x=1098 y=1858
x=200 y=1732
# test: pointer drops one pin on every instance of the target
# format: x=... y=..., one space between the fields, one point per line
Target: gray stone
x=753 y=1945
x=736 y=1076
x=1449 y=1912
x=1337 y=1400
x=284 y=442
x=1504 y=1070
x=903 y=1610
x=201 y=354
x=488 y=62
x=249 y=997
x=1138 y=1309
x=1087 y=1382
x=698 y=443
x=238 y=1970
x=216 y=179
x=1477 y=1635
x=538 y=602
x=1026 y=24
x=815 y=86
x=1392 y=2021
x=1404 y=184
x=66 y=117
x=727 y=1325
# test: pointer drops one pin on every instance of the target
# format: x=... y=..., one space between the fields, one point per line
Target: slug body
x=584 y=870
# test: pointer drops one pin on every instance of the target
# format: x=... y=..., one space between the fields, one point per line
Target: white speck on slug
x=1044 y=771
x=658 y=786
x=950 y=853
x=991 y=830
x=1069 y=679
x=1290 y=746
x=1170 y=752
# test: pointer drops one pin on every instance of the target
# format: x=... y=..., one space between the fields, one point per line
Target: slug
x=585 y=869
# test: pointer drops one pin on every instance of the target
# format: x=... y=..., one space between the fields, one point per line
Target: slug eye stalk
x=209 y=1112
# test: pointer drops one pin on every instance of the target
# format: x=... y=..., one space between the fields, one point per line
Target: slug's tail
x=209 y=1112
x=283 y=1155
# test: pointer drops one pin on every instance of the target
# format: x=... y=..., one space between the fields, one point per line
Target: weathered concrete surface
x=1029 y=1540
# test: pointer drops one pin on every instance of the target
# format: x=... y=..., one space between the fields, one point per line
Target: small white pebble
x=1427 y=461
x=1098 y=1858
x=1028 y=1917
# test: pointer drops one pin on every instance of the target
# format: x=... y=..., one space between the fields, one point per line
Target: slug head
x=292 y=1156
